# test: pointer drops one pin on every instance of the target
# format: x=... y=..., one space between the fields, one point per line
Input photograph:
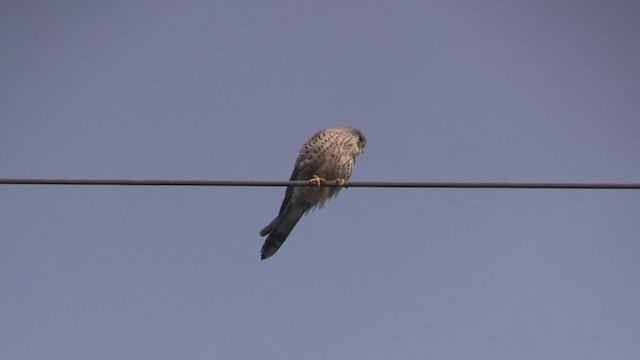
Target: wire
x=360 y=184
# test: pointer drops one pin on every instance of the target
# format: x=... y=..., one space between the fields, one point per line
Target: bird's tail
x=278 y=230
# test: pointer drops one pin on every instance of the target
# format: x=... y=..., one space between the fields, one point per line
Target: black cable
x=363 y=184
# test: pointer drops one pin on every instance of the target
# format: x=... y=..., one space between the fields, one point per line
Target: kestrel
x=329 y=155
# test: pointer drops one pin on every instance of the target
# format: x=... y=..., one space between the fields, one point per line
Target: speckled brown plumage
x=329 y=154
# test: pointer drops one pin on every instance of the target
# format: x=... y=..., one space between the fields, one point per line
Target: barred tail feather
x=278 y=230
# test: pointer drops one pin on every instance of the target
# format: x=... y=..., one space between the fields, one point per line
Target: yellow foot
x=317 y=180
x=341 y=181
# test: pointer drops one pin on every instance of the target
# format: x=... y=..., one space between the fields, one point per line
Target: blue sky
x=443 y=90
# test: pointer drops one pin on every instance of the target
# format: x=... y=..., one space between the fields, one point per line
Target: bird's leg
x=317 y=180
x=341 y=181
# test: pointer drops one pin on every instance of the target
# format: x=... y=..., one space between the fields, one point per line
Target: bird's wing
x=302 y=170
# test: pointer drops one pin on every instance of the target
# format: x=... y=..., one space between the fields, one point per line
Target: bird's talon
x=317 y=180
x=341 y=181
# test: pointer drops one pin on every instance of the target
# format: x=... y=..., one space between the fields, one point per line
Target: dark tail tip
x=272 y=244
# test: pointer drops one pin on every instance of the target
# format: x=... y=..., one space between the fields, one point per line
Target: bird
x=328 y=155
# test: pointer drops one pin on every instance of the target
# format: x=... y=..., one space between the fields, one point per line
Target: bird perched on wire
x=329 y=155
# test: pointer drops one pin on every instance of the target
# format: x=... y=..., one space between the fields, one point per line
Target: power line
x=361 y=184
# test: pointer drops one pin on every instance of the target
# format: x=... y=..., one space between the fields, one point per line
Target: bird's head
x=361 y=140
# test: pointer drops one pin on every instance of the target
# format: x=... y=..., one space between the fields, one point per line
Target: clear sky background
x=444 y=91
